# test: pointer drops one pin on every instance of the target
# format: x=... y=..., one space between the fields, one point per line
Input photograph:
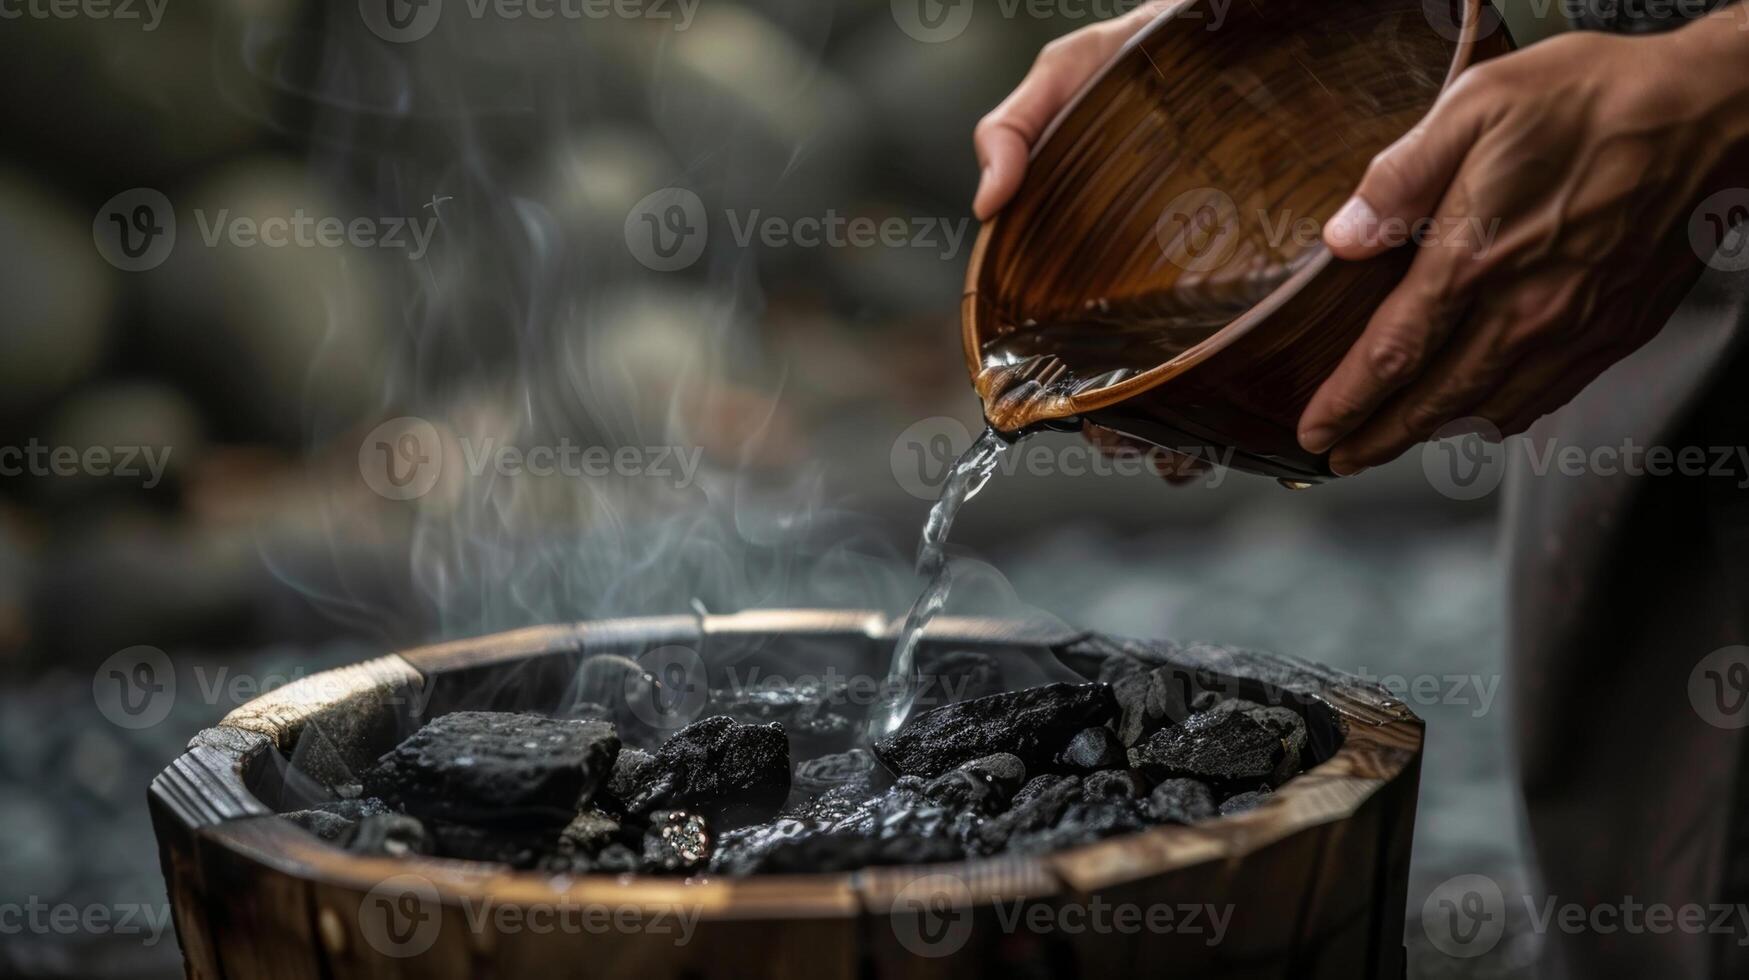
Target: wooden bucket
x=1311 y=884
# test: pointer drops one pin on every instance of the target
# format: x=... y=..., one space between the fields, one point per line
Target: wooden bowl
x=1169 y=219
x=1315 y=880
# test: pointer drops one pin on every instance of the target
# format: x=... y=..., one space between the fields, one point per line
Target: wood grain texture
x=1315 y=880
x=1168 y=223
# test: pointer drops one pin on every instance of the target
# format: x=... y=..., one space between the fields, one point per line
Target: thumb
x=1406 y=181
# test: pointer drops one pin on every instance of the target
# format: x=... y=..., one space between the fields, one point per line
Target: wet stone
x=1033 y=724
x=839 y=851
x=331 y=820
x=1037 y=806
x=1149 y=701
x=743 y=851
x=616 y=859
x=496 y=766
x=516 y=846
x=1224 y=749
x=1242 y=802
x=676 y=842
x=588 y=832
x=1115 y=784
x=1082 y=823
x=388 y=834
x=623 y=781
x=1092 y=749
x=820 y=715
x=1287 y=724
x=729 y=773
x=982 y=785
x=1181 y=801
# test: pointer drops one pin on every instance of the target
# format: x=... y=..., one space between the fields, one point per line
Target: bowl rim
x=1310 y=265
x=206 y=794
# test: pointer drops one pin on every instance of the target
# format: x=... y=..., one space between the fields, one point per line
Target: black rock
x=1082 y=823
x=1115 y=784
x=729 y=773
x=1180 y=801
x=905 y=810
x=1285 y=722
x=388 y=834
x=496 y=766
x=743 y=851
x=676 y=842
x=1037 y=806
x=1092 y=749
x=957 y=675
x=519 y=847
x=837 y=851
x=1032 y=724
x=1148 y=701
x=1224 y=749
x=1241 y=802
x=983 y=785
x=616 y=859
x=588 y=832
x=331 y=820
x=623 y=781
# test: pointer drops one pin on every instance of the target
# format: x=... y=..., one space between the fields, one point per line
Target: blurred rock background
x=796 y=372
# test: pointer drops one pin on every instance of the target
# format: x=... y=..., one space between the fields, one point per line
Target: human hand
x=1560 y=180
x=1005 y=136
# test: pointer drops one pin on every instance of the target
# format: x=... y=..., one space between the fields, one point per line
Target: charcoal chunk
x=1082 y=823
x=1149 y=701
x=1285 y=722
x=1115 y=784
x=983 y=785
x=388 y=834
x=1092 y=749
x=837 y=851
x=331 y=820
x=1224 y=749
x=1037 y=806
x=1241 y=802
x=623 y=780
x=676 y=842
x=1180 y=801
x=616 y=859
x=1032 y=724
x=729 y=773
x=517 y=846
x=818 y=714
x=743 y=851
x=489 y=766
x=588 y=832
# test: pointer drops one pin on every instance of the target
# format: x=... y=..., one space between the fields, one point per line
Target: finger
x=1407 y=180
x=1005 y=136
x=1409 y=328
x=1461 y=377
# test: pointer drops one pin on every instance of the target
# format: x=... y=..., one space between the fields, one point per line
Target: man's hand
x=1560 y=180
x=1004 y=138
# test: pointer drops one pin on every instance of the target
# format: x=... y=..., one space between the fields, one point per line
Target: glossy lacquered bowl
x=1182 y=194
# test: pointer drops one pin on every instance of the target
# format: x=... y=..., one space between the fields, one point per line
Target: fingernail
x=1347 y=227
x=1345 y=470
x=1319 y=439
x=983 y=182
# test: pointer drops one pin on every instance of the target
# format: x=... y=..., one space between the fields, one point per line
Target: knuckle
x=1394 y=357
